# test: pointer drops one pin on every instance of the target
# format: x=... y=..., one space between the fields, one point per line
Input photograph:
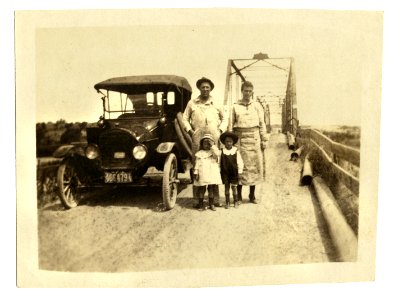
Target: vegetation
x=346 y=135
x=49 y=136
x=46 y=186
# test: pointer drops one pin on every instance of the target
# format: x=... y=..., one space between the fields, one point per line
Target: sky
x=337 y=55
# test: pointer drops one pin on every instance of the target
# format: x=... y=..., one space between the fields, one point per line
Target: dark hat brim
x=228 y=134
x=202 y=80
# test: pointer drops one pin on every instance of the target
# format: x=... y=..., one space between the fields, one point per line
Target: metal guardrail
x=348 y=153
x=47 y=162
x=328 y=155
x=343 y=237
x=330 y=152
x=46 y=180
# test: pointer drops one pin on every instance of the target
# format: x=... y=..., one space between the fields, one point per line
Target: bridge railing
x=338 y=165
x=340 y=160
x=46 y=180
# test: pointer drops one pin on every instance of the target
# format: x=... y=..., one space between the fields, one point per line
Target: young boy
x=231 y=165
x=207 y=170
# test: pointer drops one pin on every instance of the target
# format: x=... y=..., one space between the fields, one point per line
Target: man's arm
x=233 y=118
x=186 y=116
x=223 y=119
x=240 y=163
x=262 y=126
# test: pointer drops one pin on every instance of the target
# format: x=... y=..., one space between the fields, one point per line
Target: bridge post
x=290 y=118
x=228 y=101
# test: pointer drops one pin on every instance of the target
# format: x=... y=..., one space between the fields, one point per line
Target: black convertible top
x=143 y=83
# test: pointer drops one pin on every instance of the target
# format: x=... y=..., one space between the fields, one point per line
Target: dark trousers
x=215 y=191
x=227 y=187
x=202 y=189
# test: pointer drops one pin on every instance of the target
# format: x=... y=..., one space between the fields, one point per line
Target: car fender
x=166 y=147
x=69 y=150
x=170 y=147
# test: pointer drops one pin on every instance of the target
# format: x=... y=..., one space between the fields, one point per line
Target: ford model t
x=140 y=129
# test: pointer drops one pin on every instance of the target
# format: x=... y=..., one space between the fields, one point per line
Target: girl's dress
x=207 y=167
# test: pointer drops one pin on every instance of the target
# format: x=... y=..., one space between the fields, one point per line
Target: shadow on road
x=187 y=203
x=140 y=197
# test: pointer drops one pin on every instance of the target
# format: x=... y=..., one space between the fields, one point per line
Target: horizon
x=301 y=125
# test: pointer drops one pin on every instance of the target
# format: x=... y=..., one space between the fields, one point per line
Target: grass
x=346 y=135
x=46 y=186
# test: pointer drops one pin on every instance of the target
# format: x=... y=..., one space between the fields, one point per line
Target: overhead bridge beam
x=237 y=71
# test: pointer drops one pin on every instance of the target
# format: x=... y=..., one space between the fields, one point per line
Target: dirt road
x=123 y=230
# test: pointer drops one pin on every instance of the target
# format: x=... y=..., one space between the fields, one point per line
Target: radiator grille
x=116 y=141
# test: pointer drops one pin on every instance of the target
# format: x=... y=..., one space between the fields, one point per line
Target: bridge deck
x=287 y=224
x=122 y=231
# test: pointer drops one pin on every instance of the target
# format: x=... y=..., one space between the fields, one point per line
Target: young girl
x=207 y=170
x=231 y=165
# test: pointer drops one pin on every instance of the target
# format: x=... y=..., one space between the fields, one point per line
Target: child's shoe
x=227 y=202
x=211 y=205
x=252 y=199
x=236 y=202
x=201 y=205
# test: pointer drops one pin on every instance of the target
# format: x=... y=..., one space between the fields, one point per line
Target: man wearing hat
x=248 y=124
x=202 y=115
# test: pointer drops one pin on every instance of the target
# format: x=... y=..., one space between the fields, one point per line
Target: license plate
x=118 y=177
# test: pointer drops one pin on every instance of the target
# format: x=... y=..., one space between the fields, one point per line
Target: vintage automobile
x=141 y=128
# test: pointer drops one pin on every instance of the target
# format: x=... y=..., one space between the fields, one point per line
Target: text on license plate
x=118 y=177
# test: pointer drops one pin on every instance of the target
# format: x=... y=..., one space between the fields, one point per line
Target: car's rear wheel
x=68 y=182
x=170 y=181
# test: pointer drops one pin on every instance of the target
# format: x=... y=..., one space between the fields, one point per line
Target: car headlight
x=92 y=151
x=139 y=152
x=162 y=120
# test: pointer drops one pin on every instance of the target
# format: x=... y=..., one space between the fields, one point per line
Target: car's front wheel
x=170 y=181
x=68 y=182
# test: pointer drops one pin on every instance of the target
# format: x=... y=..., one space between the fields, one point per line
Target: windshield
x=120 y=105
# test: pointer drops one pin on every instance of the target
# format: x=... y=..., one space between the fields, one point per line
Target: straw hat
x=207 y=136
x=229 y=134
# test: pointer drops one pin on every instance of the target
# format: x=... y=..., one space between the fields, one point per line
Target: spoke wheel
x=170 y=181
x=68 y=182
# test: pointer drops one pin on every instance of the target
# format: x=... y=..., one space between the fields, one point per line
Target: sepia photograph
x=197 y=147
